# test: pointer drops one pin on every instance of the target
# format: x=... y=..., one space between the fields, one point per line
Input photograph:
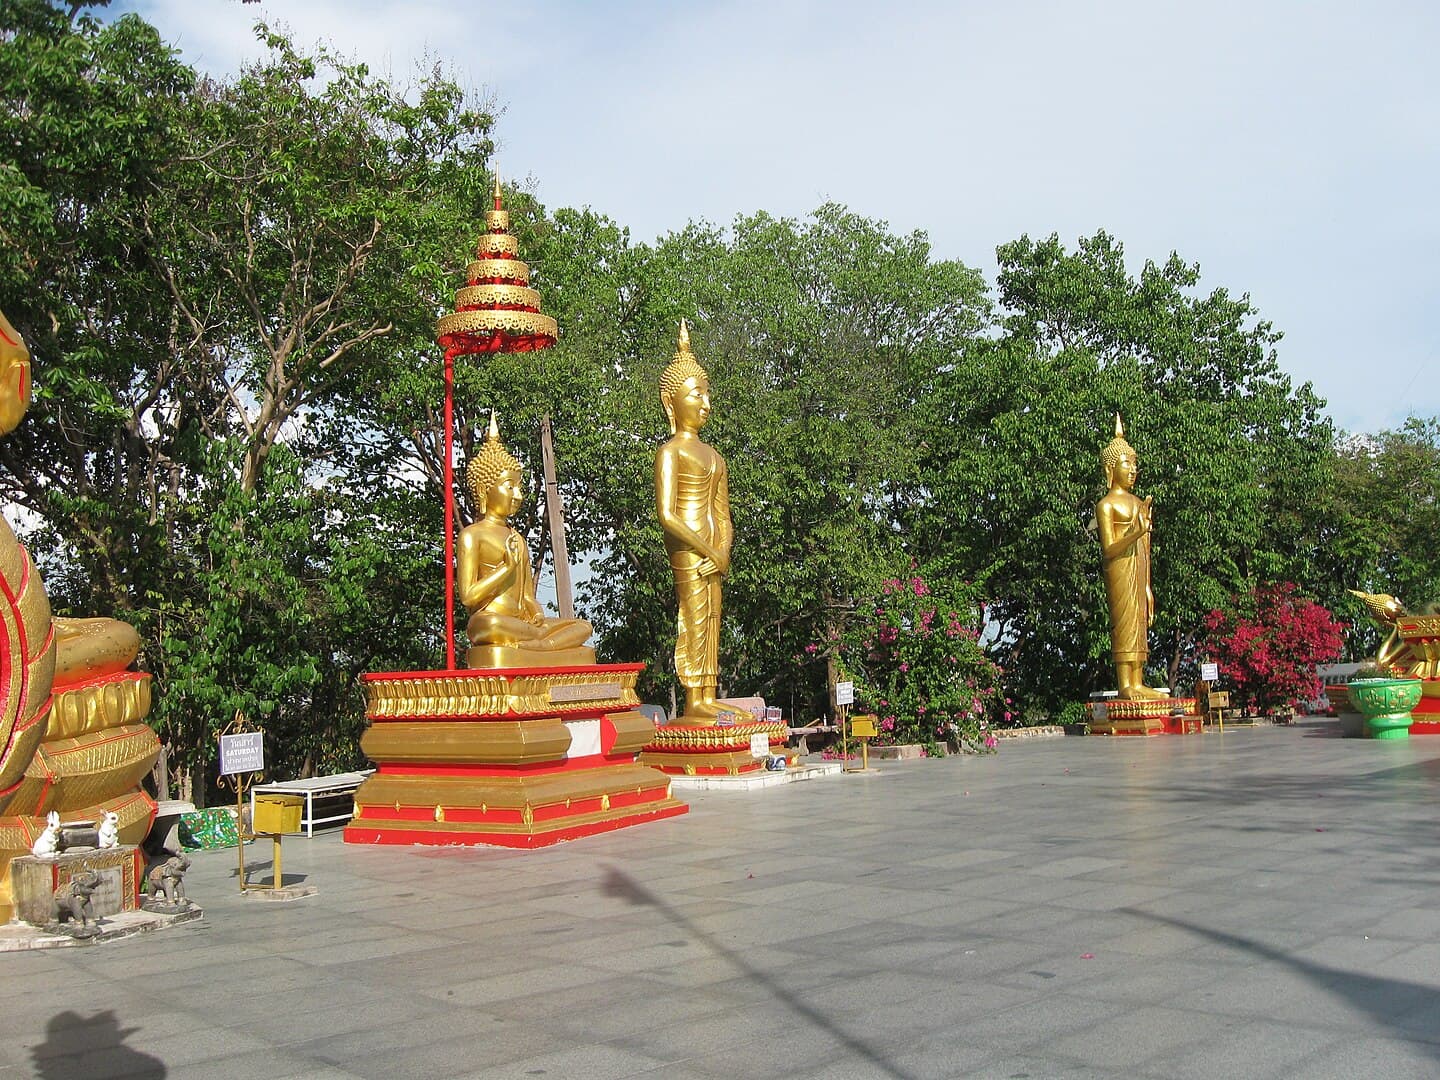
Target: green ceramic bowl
x=1386 y=705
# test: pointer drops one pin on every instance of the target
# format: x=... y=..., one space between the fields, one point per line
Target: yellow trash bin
x=276 y=812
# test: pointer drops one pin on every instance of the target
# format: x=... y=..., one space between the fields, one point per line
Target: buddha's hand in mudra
x=709 y=567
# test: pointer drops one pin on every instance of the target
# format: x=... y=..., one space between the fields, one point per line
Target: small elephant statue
x=72 y=901
x=167 y=881
x=48 y=842
x=110 y=830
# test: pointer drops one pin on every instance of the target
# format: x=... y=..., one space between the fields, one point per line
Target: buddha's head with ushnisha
x=1118 y=459
x=494 y=475
x=685 y=388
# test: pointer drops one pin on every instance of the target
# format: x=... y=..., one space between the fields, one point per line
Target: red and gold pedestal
x=1163 y=716
x=682 y=749
x=514 y=757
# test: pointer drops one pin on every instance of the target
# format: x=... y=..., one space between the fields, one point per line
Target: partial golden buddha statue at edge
x=1125 y=527
x=692 y=497
x=507 y=627
x=72 y=736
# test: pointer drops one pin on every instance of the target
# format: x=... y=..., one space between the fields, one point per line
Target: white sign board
x=844 y=693
x=1098 y=712
x=759 y=745
x=1209 y=672
x=242 y=753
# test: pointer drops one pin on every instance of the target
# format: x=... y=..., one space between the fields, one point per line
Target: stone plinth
x=1161 y=716
x=515 y=757
x=33 y=881
x=689 y=749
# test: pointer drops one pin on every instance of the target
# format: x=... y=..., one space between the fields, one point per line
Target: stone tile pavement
x=1258 y=904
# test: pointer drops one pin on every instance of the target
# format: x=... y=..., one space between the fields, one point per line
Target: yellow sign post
x=863 y=728
x=242 y=762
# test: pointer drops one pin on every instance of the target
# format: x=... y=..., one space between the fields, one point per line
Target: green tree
x=1377 y=524
x=814 y=334
x=229 y=289
x=1227 y=447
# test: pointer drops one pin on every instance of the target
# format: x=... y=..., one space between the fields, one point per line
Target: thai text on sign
x=241 y=753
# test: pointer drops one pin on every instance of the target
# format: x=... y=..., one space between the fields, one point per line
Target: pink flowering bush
x=917 y=664
x=1268 y=645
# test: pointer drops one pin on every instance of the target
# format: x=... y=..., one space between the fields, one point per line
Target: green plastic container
x=1386 y=705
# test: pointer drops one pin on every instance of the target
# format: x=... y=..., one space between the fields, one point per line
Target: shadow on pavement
x=1406 y=1008
x=619 y=884
x=84 y=1047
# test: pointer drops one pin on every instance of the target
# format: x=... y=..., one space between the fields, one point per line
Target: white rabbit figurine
x=110 y=830
x=48 y=842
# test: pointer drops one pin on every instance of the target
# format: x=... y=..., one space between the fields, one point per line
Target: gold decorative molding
x=85 y=710
x=1160 y=708
x=426 y=742
x=490 y=322
x=676 y=738
x=473 y=296
x=497 y=244
x=467 y=694
x=633 y=732
x=512 y=270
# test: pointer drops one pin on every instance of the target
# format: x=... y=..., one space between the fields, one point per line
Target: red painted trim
x=360 y=834
x=449 y=510
x=709 y=770
x=519 y=672
x=99 y=680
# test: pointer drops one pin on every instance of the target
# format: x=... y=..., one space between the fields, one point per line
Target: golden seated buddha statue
x=507 y=627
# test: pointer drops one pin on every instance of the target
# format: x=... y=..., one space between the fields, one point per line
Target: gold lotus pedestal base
x=683 y=749
x=518 y=757
x=1161 y=716
x=97 y=747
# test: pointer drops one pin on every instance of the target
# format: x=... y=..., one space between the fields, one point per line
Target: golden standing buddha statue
x=1125 y=526
x=507 y=627
x=692 y=497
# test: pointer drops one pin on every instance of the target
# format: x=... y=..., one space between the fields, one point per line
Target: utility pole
x=556 y=513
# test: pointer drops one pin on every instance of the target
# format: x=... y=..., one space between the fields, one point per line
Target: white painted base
x=19 y=936
x=285 y=892
x=755 y=780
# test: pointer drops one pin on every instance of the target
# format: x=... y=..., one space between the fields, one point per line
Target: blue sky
x=1290 y=149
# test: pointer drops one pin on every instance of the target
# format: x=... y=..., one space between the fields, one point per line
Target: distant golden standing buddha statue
x=692 y=496
x=507 y=627
x=1125 y=524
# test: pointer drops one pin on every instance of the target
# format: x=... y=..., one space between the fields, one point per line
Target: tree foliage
x=214 y=278
x=1268 y=644
x=917 y=662
x=1227 y=447
x=230 y=287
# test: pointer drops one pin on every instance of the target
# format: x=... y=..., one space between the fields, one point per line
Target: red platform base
x=1158 y=717
x=1427 y=713
x=515 y=757
x=683 y=749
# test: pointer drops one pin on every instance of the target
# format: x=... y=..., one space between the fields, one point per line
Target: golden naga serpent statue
x=1412 y=651
x=72 y=732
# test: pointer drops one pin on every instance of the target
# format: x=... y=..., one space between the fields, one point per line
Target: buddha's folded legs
x=496 y=628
